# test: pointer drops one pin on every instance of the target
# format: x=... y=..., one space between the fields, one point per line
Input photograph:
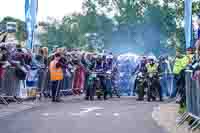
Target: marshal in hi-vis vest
x=152 y=68
x=56 y=74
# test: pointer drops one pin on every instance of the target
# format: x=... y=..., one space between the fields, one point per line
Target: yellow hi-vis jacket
x=152 y=68
x=180 y=64
x=56 y=74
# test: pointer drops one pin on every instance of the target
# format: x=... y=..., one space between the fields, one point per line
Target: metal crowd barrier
x=9 y=86
x=192 y=101
x=44 y=84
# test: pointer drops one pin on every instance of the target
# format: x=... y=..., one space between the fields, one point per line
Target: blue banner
x=188 y=23
x=31 y=8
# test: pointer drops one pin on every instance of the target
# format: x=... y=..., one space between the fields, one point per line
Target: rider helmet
x=151 y=58
x=109 y=57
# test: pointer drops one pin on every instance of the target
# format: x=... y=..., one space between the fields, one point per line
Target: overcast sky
x=51 y=8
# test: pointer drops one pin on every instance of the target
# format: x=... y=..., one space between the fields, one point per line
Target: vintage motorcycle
x=152 y=91
x=141 y=85
x=95 y=87
x=111 y=84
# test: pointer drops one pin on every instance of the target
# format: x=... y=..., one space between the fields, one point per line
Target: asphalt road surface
x=75 y=115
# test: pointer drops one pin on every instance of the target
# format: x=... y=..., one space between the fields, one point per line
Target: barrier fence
x=43 y=84
x=37 y=82
x=9 y=86
x=192 y=94
x=192 y=101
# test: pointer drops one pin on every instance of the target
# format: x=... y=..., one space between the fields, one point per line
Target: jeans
x=86 y=82
x=134 y=85
x=179 y=81
x=166 y=83
x=172 y=87
x=55 y=88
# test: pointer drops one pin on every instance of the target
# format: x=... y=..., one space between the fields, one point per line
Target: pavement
x=6 y=110
x=166 y=116
x=74 y=115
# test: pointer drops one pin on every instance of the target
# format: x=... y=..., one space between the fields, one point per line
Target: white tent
x=128 y=56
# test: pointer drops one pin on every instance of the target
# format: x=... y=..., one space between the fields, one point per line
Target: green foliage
x=149 y=20
x=146 y=22
x=71 y=31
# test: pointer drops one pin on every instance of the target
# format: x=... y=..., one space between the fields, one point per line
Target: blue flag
x=188 y=23
x=31 y=8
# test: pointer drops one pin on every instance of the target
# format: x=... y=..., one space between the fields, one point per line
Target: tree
x=141 y=22
x=134 y=24
x=71 y=31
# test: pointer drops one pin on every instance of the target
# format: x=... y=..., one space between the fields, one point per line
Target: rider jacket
x=140 y=68
x=98 y=66
x=152 y=68
x=143 y=68
x=164 y=67
x=108 y=67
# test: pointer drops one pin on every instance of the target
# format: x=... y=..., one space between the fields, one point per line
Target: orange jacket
x=55 y=73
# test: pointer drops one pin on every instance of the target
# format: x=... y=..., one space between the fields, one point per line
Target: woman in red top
x=79 y=78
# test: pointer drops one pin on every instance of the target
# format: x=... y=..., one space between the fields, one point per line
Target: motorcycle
x=152 y=91
x=95 y=87
x=141 y=84
x=111 y=85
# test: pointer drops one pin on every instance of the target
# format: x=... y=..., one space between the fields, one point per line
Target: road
x=75 y=115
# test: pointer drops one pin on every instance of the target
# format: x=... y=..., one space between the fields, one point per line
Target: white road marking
x=116 y=114
x=98 y=114
x=75 y=114
x=45 y=114
x=86 y=110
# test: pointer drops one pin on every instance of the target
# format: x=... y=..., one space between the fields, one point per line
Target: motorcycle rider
x=165 y=71
x=90 y=91
x=153 y=68
x=108 y=68
x=99 y=67
x=141 y=67
x=141 y=85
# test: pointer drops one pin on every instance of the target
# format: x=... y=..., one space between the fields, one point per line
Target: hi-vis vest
x=55 y=73
x=180 y=64
x=152 y=68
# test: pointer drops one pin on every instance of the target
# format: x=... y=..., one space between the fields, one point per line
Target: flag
x=188 y=23
x=31 y=8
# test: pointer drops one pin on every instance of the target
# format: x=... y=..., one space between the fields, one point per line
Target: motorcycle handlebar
x=101 y=73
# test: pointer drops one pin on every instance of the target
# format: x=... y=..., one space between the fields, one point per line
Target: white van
x=11 y=27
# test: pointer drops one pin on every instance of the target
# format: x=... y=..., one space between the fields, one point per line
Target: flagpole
x=31 y=8
x=188 y=22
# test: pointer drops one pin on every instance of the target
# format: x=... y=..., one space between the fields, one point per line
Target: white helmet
x=151 y=58
x=109 y=57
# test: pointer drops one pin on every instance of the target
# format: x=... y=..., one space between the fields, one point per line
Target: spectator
x=56 y=76
x=165 y=71
x=181 y=61
x=79 y=77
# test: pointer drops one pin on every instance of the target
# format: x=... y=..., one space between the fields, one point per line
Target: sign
x=11 y=27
